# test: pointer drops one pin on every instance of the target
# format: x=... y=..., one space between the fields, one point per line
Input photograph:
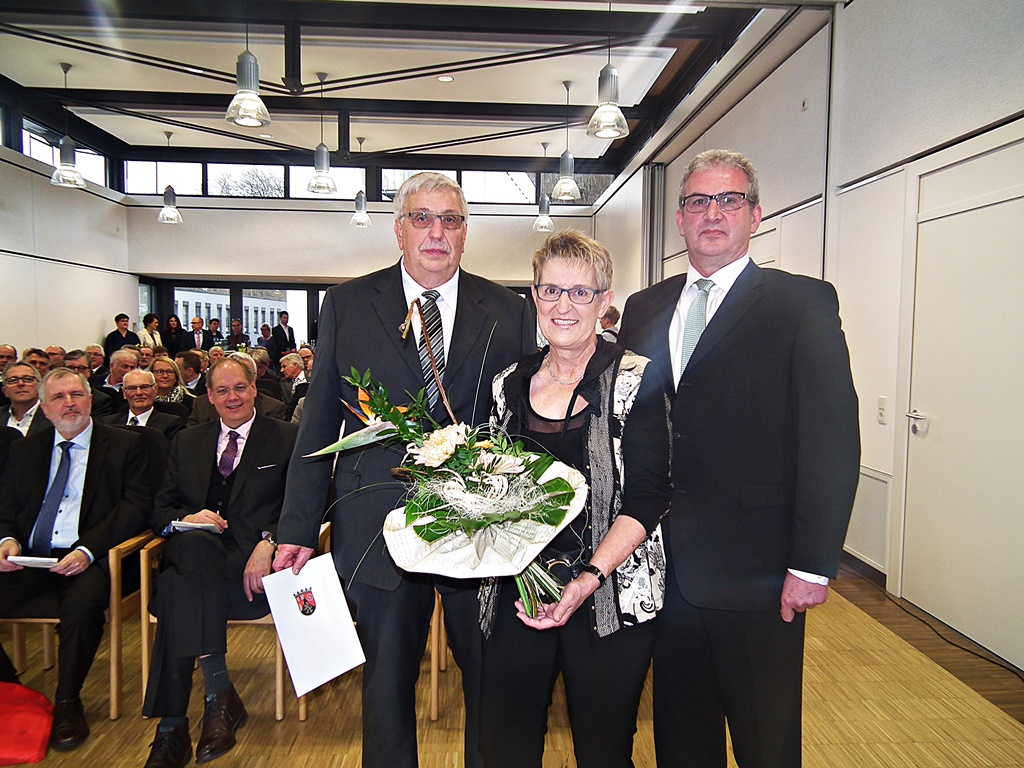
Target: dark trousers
x=79 y=603
x=393 y=628
x=198 y=590
x=603 y=677
x=713 y=666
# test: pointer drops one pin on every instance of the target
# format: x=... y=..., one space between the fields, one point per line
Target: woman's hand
x=551 y=615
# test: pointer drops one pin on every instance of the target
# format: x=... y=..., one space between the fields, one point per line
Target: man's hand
x=74 y=564
x=8 y=548
x=292 y=556
x=257 y=567
x=799 y=595
x=207 y=517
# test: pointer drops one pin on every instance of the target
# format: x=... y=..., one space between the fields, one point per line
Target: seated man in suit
x=307 y=354
x=267 y=379
x=77 y=360
x=21 y=386
x=8 y=354
x=230 y=474
x=293 y=382
x=56 y=353
x=97 y=361
x=139 y=389
x=70 y=493
x=191 y=366
x=203 y=410
x=122 y=361
x=38 y=359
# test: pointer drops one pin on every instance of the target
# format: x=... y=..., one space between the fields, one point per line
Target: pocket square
x=265 y=466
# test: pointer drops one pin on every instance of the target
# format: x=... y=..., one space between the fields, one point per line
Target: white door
x=964 y=523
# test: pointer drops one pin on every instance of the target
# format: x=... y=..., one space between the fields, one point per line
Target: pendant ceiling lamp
x=247 y=108
x=322 y=183
x=360 y=219
x=66 y=174
x=566 y=189
x=169 y=214
x=543 y=222
x=608 y=121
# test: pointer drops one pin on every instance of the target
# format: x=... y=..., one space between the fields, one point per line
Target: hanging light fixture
x=543 y=222
x=565 y=188
x=322 y=183
x=247 y=108
x=608 y=121
x=66 y=174
x=360 y=219
x=169 y=213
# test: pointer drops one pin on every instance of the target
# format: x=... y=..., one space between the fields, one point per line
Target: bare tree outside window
x=247 y=180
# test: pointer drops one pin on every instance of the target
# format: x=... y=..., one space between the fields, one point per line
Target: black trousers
x=713 y=666
x=603 y=677
x=79 y=603
x=198 y=590
x=393 y=629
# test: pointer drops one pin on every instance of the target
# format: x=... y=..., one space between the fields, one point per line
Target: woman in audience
x=169 y=386
x=172 y=335
x=149 y=335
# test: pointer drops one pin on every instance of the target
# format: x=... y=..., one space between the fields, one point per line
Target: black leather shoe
x=224 y=714
x=171 y=749
x=69 y=726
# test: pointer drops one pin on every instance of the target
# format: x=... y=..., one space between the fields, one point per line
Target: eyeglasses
x=138 y=388
x=163 y=372
x=578 y=294
x=12 y=380
x=78 y=368
x=424 y=220
x=727 y=201
x=238 y=389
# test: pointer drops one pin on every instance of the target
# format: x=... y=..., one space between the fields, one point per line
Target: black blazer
x=38 y=424
x=167 y=424
x=203 y=410
x=259 y=483
x=115 y=498
x=283 y=342
x=766 y=441
x=187 y=340
x=359 y=326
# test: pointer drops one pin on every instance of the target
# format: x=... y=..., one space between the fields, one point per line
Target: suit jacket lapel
x=39 y=471
x=201 y=473
x=389 y=303
x=471 y=322
x=743 y=295
x=93 y=470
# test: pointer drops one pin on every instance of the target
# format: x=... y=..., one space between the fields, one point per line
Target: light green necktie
x=696 y=321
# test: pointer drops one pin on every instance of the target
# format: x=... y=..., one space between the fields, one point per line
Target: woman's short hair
x=579 y=250
x=149 y=318
x=429 y=181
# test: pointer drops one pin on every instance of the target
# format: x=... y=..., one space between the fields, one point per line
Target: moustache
x=436 y=245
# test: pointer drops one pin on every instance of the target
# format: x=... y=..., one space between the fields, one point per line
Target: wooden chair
x=438 y=654
x=121 y=606
x=150 y=558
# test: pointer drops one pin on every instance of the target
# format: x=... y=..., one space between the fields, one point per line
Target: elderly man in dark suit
x=77 y=360
x=139 y=388
x=766 y=453
x=483 y=329
x=70 y=493
x=21 y=386
x=229 y=474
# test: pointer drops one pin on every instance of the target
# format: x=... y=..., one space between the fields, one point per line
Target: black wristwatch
x=593 y=570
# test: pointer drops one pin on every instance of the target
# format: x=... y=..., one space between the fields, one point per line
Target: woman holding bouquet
x=588 y=402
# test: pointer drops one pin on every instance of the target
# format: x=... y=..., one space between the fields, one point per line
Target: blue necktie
x=42 y=533
x=696 y=321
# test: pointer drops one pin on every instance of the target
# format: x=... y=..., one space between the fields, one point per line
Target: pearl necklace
x=551 y=373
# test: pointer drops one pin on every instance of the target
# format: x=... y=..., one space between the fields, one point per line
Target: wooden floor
x=871 y=699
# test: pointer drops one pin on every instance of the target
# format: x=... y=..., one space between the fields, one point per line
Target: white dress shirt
x=446 y=303
x=25 y=421
x=142 y=417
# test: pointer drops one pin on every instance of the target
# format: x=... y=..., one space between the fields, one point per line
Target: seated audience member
x=146 y=356
x=77 y=360
x=8 y=354
x=149 y=336
x=38 y=359
x=215 y=332
x=161 y=352
x=190 y=364
x=122 y=361
x=306 y=353
x=609 y=323
x=97 y=361
x=297 y=413
x=21 y=386
x=293 y=382
x=139 y=388
x=229 y=473
x=170 y=387
x=236 y=338
x=216 y=353
x=266 y=340
x=173 y=336
x=203 y=410
x=7 y=436
x=120 y=336
x=205 y=355
x=266 y=378
x=56 y=354
x=76 y=455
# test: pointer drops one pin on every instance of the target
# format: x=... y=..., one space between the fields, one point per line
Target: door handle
x=919 y=422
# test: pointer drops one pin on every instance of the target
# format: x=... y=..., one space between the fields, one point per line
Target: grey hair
x=150 y=378
x=292 y=357
x=61 y=373
x=121 y=353
x=714 y=158
x=243 y=357
x=429 y=181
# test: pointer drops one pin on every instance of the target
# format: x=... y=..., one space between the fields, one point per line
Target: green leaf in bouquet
x=540 y=465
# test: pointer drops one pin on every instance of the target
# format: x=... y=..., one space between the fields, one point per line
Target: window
x=246 y=180
x=499 y=187
x=43 y=144
x=393 y=178
x=145 y=177
x=145 y=300
x=591 y=186
x=348 y=180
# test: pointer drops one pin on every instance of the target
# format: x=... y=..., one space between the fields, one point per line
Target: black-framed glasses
x=10 y=381
x=578 y=294
x=727 y=201
x=425 y=220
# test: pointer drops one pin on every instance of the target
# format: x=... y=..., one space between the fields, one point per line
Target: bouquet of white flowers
x=479 y=505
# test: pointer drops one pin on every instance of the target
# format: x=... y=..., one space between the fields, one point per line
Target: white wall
x=63 y=257
x=619 y=227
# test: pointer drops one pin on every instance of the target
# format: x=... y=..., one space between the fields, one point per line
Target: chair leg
x=279 y=680
x=303 y=708
x=116 y=667
x=49 y=647
x=435 y=657
x=18 y=646
x=146 y=650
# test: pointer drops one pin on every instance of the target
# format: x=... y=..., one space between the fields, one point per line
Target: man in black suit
x=71 y=493
x=230 y=474
x=203 y=409
x=77 y=360
x=484 y=328
x=97 y=360
x=236 y=338
x=766 y=453
x=283 y=336
x=190 y=363
x=21 y=386
x=198 y=338
x=8 y=354
x=139 y=389
x=293 y=383
x=122 y=361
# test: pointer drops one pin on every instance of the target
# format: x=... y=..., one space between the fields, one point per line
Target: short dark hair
x=149 y=318
x=121 y=316
x=34 y=351
x=191 y=360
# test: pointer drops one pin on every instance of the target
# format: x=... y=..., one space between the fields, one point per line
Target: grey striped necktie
x=431 y=328
x=696 y=321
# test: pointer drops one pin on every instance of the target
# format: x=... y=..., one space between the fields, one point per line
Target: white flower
x=439 y=445
x=494 y=486
x=499 y=463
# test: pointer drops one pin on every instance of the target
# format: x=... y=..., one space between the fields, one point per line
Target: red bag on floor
x=26 y=717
